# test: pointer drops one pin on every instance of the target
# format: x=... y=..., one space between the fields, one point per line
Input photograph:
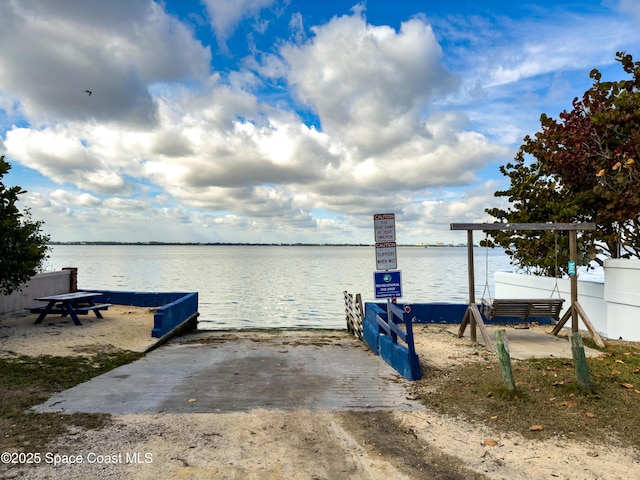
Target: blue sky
x=285 y=120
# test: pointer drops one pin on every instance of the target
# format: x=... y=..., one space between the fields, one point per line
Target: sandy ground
x=265 y=444
x=123 y=327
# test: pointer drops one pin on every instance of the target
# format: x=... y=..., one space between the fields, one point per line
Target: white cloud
x=226 y=14
x=368 y=84
x=66 y=198
x=630 y=7
x=219 y=157
x=58 y=154
x=513 y=70
x=508 y=51
x=60 y=49
x=296 y=26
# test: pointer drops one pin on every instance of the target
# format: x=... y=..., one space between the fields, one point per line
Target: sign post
x=387 y=284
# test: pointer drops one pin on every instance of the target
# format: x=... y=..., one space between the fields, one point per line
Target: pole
x=502 y=346
x=472 y=284
x=573 y=257
x=389 y=314
x=580 y=362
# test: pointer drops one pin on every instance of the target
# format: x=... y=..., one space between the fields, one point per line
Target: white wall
x=51 y=283
x=622 y=294
x=590 y=294
x=613 y=307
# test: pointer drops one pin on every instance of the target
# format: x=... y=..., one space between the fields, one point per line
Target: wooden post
x=73 y=279
x=472 y=283
x=580 y=362
x=502 y=346
x=573 y=257
x=575 y=310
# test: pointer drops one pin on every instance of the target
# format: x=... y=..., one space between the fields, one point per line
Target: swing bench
x=523 y=309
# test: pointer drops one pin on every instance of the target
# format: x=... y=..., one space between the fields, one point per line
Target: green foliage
x=580 y=168
x=23 y=247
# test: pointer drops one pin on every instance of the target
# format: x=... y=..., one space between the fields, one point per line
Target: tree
x=23 y=247
x=581 y=168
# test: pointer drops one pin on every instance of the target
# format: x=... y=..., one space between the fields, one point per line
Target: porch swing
x=524 y=309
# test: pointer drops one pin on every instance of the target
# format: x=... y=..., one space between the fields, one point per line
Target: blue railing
x=175 y=309
x=382 y=333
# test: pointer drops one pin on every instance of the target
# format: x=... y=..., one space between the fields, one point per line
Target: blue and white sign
x=387 y=284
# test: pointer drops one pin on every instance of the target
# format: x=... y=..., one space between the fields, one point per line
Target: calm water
x=274 y=286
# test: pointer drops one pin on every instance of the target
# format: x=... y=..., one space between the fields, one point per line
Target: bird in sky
x=88 y=91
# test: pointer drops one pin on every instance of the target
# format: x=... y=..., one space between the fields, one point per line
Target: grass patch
x=28 y=381
x=548 y=402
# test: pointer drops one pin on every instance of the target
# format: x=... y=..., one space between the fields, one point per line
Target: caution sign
x=386 y=256
x=384 y=225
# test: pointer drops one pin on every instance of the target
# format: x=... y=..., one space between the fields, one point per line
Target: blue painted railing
x=453 y=313
x=171 y=316
x=381 y=334
x=175 y=309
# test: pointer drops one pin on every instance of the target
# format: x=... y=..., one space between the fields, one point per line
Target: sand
x=266 y=444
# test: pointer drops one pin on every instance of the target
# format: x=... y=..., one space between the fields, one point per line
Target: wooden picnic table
x=72 y=304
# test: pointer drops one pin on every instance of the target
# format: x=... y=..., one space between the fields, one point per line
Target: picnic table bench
x=72 y=304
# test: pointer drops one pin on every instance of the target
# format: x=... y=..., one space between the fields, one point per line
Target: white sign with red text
x=386 y=258
x=384 y=225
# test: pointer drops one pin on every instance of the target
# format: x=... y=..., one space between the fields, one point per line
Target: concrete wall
x=622 y=294
x=42 y=285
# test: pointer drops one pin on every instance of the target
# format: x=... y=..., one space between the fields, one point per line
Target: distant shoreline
x=243 y=244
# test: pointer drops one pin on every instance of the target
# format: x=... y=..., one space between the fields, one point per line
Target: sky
x=285 y=121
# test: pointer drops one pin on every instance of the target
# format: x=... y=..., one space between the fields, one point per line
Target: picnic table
x=72 y=304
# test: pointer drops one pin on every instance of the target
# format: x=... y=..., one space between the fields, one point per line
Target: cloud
x=370 y=95
x=630 y=7
x=296 y=27
x=226 y=14
x=64 y=197
x=115 y=49
x=58 y=154
x=216 y=153
x=512 y=70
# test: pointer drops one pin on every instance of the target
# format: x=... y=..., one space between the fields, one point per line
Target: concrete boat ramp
x=219 y=372
x=229 y=371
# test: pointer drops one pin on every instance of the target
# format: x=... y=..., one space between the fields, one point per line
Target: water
x=274 y=286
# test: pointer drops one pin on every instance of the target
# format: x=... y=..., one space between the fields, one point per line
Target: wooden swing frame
x=472 y=315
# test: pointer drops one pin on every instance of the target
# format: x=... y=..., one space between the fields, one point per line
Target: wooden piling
x=502 y=347
x=580 y=362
